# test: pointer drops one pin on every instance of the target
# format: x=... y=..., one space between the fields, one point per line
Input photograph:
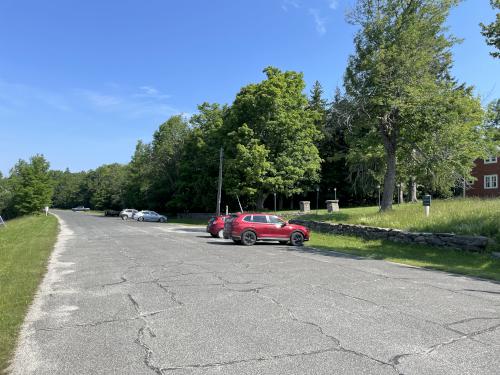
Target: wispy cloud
x=319 y=21
x=152 y=93
x=333 y=4
x=144 y=101
x=287 y=4
x=18 y=97
x=98 y=99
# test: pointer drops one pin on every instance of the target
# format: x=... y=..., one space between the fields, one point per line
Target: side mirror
x=283 y=224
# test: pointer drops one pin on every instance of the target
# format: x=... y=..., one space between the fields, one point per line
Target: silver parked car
x=128 y=213
x=150 y=216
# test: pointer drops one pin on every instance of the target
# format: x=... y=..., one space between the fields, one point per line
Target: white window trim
x=495 y=179
x=491 y=160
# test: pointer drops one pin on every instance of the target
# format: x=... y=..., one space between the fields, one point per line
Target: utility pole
x=219 y=188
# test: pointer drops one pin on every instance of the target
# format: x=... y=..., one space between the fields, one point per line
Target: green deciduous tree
x=271 y=142
x=399 y=84
x=31 y=184
x=137 y=192
x=197 y=184
x=70 y=189
x=492 y=31
x=106 y=185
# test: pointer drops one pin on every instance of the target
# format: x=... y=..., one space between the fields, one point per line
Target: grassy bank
x=25 y=245
x=416 y=255
x=461 y=216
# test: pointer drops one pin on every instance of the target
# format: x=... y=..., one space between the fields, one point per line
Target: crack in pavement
x=336 y=341
x=140 y=338
x=101 y=322
x=248 y=360
x=170 y=293
x=396 y=360
x=444 y=326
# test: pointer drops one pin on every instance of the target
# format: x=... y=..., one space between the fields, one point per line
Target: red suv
x=216 y=225
x=250 y=228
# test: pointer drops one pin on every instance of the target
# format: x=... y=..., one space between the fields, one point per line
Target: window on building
x=491 y=181
x=490 y=160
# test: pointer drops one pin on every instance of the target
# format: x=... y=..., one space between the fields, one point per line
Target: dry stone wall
x=447 y=240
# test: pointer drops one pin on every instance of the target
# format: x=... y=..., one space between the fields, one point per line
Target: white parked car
x=128 y=213
x=150 y=216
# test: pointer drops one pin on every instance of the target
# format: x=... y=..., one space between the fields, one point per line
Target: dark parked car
x=250 y=228
x=111 y=213
x=216 y=225
x=80 y=208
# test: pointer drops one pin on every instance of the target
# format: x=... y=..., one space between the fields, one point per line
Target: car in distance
x=216 y=225
x=149 y=216
x=111 y=213
x=252 y=227
x=127 y=213
x=80 y=208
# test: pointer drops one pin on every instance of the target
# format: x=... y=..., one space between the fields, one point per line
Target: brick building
x=487 y=174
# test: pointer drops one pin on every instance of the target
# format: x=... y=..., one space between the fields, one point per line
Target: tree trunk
x=413 y=189
x=291 y=203
x=389 y=133
x=280 y=203
x=261 y=198
x=389 y=180
x=401 y=193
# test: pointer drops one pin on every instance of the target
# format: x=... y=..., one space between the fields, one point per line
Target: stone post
x=332 y=205
x=305 y=206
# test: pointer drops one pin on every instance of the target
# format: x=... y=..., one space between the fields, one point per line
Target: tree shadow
x=453 y=262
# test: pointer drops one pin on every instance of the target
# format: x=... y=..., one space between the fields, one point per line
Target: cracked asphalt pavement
x=123 y=297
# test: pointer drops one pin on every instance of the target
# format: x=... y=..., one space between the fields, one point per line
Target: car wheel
x=283 y=242
x=220 y=233
x=124 y=217
x=248 y=238
x=140 y=218
x=162 y=220
x=297 y=239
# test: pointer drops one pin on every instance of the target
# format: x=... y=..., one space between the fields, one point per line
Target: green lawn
x=462 y=216
x=25 y=245
x=479 y=265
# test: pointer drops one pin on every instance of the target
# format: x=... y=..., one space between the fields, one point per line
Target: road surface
x=123 y=297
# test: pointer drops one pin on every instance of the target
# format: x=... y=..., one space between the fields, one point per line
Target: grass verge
x=479 y=265
x=471 y=216
x=25 y=246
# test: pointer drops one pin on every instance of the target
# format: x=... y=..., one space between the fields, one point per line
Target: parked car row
x=248 y=228
x=144 y=215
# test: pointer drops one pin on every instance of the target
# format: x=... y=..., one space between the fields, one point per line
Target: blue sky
x=82 y=81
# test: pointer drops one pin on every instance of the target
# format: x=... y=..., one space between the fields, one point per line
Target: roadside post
x=317 y=199
x=426 y=201
x=378 y=187
x=274 y=202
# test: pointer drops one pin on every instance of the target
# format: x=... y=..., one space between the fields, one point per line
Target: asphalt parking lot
x=123 y=297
